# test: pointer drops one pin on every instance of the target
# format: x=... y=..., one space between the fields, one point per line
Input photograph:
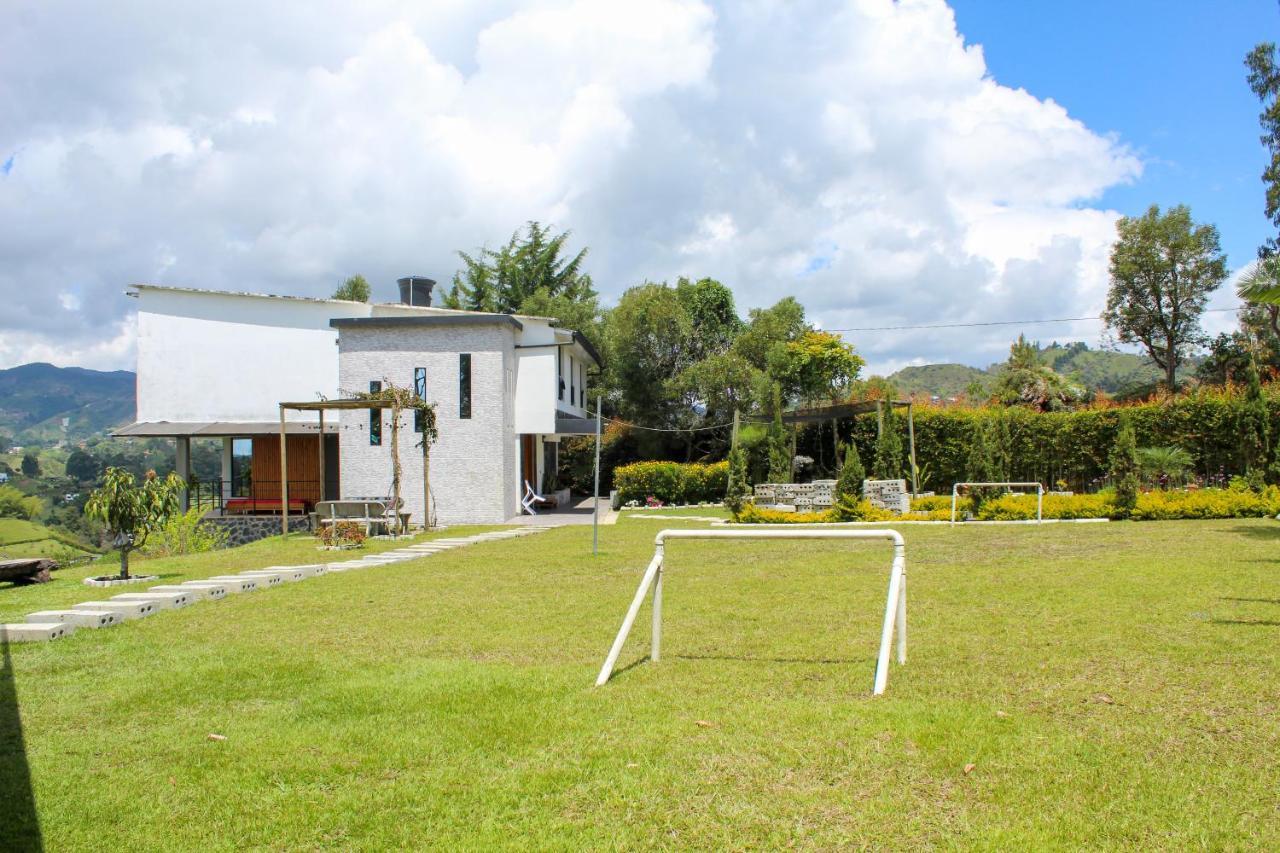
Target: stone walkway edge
x=45 y=625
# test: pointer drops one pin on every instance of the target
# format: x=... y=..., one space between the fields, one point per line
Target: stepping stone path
x=46 y=625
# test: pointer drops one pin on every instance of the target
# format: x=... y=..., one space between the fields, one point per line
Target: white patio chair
x=531 y=499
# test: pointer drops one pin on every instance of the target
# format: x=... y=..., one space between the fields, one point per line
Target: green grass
x=22 y=538
x=1113 y=685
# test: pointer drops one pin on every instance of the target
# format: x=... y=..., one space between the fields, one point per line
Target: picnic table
x=27 y=570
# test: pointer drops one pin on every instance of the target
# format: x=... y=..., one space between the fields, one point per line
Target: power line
x=988 y=323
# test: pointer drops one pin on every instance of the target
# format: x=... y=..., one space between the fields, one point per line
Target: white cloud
x=855 y=154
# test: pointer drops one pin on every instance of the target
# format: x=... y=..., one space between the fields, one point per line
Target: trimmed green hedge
x=672 y=482
x=1069 y=446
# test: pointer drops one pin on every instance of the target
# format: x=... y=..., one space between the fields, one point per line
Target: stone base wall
x=243 y=529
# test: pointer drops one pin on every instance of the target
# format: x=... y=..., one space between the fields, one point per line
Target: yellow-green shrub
x=1207 y=503
x=1023 y=507
x=752 y=514
x=936 y=503
x=672 y=482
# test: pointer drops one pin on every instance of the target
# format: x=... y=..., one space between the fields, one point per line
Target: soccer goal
x=895 y=608
x=955 y=496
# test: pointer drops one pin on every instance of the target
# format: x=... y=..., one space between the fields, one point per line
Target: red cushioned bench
x=235 y=506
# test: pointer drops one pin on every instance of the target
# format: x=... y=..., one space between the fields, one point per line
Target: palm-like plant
x=1260 y=286
x=1164 y=466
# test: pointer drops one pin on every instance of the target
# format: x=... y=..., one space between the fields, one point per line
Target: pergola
x=320 y=407
x=835 y=412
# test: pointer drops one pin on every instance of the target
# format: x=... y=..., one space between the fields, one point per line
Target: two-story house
x=506 y=388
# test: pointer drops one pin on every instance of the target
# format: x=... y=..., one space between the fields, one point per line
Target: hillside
x=34 y=398
x=1117 y=373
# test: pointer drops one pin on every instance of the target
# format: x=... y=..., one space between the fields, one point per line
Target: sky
x=888 y=164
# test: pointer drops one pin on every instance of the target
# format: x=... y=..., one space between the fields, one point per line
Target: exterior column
x=182 y=464
x=228 y=444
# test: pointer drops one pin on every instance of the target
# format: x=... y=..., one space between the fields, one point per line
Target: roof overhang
x=341 y=323
x=575 y=426
x=217 y=429
x=840 y=410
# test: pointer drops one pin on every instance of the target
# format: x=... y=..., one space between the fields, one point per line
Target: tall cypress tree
x=776 y=440
x=1255 y=439
x=735 y=495
x=849 y=483
x=1124 y=468
x=887 y=462
x=982 y=466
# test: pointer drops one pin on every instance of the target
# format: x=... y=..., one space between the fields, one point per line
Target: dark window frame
x=375 y=418
x=420 y=391
x=464 y=385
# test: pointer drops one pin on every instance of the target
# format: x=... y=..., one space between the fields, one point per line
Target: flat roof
x=465 y=318
x=217 y=429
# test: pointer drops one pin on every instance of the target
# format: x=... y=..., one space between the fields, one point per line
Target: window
x=464 y=385
x=420 y=391
x=560 y=371
x=375 y=417
x=573 y=382
x=582 y=387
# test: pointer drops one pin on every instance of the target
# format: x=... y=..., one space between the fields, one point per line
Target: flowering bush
x=1023 y=507
x=752 y=514
x=341 y=533
x=652 y=502
x=1207 y=503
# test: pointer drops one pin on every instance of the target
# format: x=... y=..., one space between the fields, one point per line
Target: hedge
x=672 y=482
x=1071 y=446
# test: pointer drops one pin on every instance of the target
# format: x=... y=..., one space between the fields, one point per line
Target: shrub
x=341 y=533
x=737 y=490
x=1124 y=469
x=16 y=504
x=847 y=509
x=185 y=534
x=849 y=484
x=752 y=514
x=671 y=482
x=1023 y=507
x=1207 y=503
x=937 y=503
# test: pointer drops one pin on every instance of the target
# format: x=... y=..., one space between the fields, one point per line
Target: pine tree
x=354 y=289
x=886 y=464
x=776 y=440
x=982 y=466
x=849 y=483
x=1254 y=428
x=1124 y=468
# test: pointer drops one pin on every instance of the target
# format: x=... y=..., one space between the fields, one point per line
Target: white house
x=506 y=388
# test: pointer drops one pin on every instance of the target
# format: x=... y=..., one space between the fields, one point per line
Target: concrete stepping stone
x=232 y=586
x=211 y=591
x=258 y=583
x=163 y=600
x=78 y=618
x=311 y=570
x=285 y=575
x=35 y=632
x=126 y=609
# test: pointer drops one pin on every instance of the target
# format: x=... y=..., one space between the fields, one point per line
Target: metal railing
x=250 y=498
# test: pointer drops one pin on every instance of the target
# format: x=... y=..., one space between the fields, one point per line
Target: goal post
x=955 y=495
x=895 y=608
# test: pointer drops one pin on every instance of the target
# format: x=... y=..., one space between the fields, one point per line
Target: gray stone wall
x=473 y=462
x=243 y=529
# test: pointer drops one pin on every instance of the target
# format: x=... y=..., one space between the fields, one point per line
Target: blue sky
x=1167 y=77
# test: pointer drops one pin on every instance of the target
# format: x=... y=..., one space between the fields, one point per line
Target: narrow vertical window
x=582 y=387
x=573 y=382
x=464 y=385
x=420 y=391
x=560 y=371
x=375 y=417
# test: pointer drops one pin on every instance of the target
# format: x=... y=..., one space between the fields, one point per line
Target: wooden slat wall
x=304 y=467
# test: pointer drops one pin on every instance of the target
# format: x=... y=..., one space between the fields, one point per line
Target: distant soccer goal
x=955 y=495
x=895 y=608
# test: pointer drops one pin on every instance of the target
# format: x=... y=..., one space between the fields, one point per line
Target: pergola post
x=879 y=418
x=911 y=444
x=284 y=478
x=320 y=490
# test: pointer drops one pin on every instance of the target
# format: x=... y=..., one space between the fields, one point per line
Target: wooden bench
x=27 y=570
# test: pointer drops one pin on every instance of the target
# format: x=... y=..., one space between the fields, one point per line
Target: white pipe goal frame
x=895 y=608
x=955 y=494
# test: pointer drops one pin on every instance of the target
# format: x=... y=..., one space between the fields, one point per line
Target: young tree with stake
x=132 y=512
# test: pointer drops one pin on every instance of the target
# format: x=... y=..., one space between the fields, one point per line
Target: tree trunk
x=124 y=562
x=1170 y=367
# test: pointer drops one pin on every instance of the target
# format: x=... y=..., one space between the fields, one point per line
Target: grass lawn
x=22 y=538
x=1109 y=685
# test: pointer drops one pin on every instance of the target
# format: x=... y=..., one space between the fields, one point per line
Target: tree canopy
x=1163 y=268
x=354 y=289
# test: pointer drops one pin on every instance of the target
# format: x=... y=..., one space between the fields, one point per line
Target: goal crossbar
x=895 y=608
x=955 y=495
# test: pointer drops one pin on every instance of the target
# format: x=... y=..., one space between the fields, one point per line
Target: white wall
x=536 y=390
x=205 y=356
x=473 y=460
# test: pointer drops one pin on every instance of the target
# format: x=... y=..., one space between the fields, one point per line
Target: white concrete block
x=210 y=592
x=35 y=632
x=284 y=575
x=311 y=570
x=227 y=587
x=126 y=609
x=163 y=600
x=255 y=583
x=78 y=618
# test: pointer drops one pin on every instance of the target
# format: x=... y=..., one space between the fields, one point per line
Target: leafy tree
x=768 y=328
x=83 y=466
x=886 y=464
x=16 y=504
x=1124 y=468
x=1163 y=268
x=1026 y=380
x=132 y=512
x=1228 y=360
x=354 y=289
x=779 y=449
x=647 y=343
x=713 y=319
x=849 y=483
x=30 y=465
x=815 y=366
x=722 y=383
x=1264 y=80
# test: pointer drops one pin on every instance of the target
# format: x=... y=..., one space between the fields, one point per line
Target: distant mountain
x=34 y=398
x=1117 y=373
